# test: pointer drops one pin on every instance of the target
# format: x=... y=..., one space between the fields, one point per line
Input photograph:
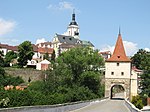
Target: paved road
x=105 y=106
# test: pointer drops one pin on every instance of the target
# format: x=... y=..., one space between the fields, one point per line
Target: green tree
x=145 y=83
x=140 y=59
x=46 y=56
x=25 y=50
x=78 y=66
x=53 y=56
x=2 y=72
x=1 y=59
x=9 y=57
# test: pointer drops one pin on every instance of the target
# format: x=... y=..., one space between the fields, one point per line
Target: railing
x=51 y=108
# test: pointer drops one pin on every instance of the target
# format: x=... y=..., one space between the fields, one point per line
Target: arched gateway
x=118 y=72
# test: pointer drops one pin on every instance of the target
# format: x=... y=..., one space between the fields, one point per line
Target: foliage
x=1 y=59
x=78 y=66
x=9 y=57
x=53 y=56
x=25 y=50
x=141 y=59
x=137 y=101
x=4 y=102
x=9 y=80
x=2 y=72
x=47 y=57
x=145 y=83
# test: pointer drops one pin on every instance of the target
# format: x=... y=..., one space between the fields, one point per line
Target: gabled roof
x=64 y=45
x=45 y=62
x=67 y=39
x=8 y=47
x=44 y=43
x=119 y=54
x=87 y=43
x=45 y=50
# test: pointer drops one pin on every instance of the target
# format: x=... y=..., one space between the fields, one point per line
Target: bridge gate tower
x=118 y=72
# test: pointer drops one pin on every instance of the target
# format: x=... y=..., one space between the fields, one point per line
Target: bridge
x=104 y=105
x=114 y=105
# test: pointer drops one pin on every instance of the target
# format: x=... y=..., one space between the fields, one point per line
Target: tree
x=78 y=66
x=46 y=56
x=9 y=57
x=53 y=56
x=145 y=83
x=140 y=59
x=2 y=72
x=1 y=59
x=25 y=53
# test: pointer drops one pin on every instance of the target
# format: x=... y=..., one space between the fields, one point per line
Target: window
x=118 y=56
x=122 y=73
x=117 y=64
x=112 y=73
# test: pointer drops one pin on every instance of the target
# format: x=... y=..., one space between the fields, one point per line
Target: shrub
x=137 y=101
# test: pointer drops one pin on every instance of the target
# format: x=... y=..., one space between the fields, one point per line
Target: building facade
x=119 y=72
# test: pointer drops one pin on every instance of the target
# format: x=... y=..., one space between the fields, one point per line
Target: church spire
x=119 y=54
x=119 y=31
x=73 y=15
x=73 y=22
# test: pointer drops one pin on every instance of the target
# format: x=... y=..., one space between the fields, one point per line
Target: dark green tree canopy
x=9 y=57
x=141 y=59
x=1 y=59
x=25 y=50
x=77 y=66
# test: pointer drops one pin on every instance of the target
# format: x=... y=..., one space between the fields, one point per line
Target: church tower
x=118 y=70
x=73 y=28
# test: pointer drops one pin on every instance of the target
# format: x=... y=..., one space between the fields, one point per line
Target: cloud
x=9 y=41
x=147 y=49
x=40 y=40
x=130 y=48
x=6 y=26
x=62 y=6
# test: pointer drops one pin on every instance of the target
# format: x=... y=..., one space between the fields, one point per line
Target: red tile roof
x=13 y=48
x=45 y=50
x=119 y=54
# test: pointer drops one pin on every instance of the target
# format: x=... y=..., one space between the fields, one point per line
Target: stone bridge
x=105 y=105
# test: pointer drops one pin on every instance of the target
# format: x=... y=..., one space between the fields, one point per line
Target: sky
x=99 y=21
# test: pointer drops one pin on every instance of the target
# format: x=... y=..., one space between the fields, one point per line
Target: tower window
x=117 y=64
x=112 y=73
x=122 y=73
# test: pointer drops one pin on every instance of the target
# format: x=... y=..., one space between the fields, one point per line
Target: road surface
x=114 y=105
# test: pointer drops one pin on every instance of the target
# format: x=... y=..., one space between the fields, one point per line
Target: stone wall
x=25 y=74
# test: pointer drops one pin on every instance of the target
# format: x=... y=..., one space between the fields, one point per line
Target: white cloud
x=147 y=49
x=62 y=6
x=6 y=26
x=40 y=40
x=130 y=48
x=9 y=41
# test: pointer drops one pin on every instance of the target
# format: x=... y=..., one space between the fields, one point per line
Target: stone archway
x=117 y=92
x=110 y=83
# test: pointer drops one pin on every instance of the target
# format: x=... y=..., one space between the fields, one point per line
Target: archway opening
x=117 y=92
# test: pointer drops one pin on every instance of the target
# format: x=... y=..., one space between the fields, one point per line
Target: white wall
x=124 y=67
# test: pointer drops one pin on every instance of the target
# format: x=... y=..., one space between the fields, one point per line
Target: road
x=105 y=106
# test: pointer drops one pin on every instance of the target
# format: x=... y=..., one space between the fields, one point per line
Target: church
x=70 y=39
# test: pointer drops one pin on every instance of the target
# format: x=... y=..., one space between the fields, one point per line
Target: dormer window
x=70 y=38
x=63 y=37
x=118 y=56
